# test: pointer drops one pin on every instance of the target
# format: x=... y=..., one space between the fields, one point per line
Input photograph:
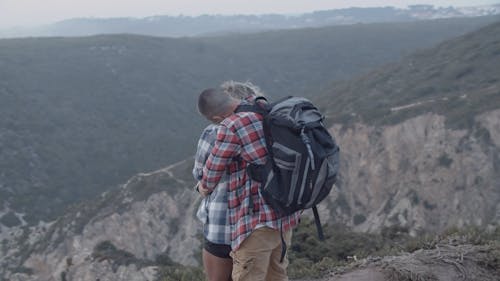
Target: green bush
x=105 y=250
x=10 y=219
x=310 y=257
x=444 y=160
x=358 y=219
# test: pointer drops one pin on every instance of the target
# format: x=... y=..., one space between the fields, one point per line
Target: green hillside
x=80 y=115
x=459 y=78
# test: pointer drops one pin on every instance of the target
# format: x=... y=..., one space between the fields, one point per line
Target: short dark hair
x=212 y=102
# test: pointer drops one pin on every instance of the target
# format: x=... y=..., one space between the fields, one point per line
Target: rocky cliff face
x=419 y=175
x=121 y=236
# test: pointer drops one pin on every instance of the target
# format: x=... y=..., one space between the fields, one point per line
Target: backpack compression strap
x=318 y=223
x=260 y=106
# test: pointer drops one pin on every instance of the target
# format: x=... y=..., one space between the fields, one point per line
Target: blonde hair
x=240 y=90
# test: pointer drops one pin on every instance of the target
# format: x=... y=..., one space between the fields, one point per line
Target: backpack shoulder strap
x=260 y=106
x=247 y=108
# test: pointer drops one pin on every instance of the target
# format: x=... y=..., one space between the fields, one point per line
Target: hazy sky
x=34 y=12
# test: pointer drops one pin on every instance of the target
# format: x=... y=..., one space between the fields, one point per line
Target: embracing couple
x=243 y=236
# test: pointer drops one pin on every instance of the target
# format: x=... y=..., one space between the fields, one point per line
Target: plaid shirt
x=240 y=140
x=213 y=210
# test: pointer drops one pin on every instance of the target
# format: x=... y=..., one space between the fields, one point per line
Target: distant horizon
x=28 y=13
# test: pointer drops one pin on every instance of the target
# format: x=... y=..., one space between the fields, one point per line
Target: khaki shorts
x=258 y=257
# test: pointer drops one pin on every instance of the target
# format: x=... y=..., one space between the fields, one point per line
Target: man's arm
x=226 y=146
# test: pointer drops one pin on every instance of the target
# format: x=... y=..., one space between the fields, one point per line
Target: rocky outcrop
x=149 y=217
x=418 y=174
x=444 y=262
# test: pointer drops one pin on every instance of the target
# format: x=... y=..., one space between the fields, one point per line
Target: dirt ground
x=444 y=263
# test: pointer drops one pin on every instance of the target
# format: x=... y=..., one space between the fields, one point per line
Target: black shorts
x=218 y=250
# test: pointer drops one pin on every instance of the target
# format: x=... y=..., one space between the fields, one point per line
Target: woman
x=213 y=208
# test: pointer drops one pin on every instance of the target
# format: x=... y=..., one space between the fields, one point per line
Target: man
x=213 y=209
x=256 y=229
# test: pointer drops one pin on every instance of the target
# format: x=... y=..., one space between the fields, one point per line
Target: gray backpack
x=303 y=157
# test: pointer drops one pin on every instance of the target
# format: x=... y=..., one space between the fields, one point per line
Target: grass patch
x=312 y=258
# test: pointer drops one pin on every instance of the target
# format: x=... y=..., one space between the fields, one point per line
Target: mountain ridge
x=79 y=115
x=439 y=76
x=399 y=179
x=180 y=26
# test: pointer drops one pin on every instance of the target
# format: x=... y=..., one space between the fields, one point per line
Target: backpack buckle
x=255 y=172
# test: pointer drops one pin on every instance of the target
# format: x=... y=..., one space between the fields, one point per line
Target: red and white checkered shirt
x=240 y=140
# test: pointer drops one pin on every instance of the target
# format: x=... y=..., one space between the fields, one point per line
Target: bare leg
x=217 y=269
